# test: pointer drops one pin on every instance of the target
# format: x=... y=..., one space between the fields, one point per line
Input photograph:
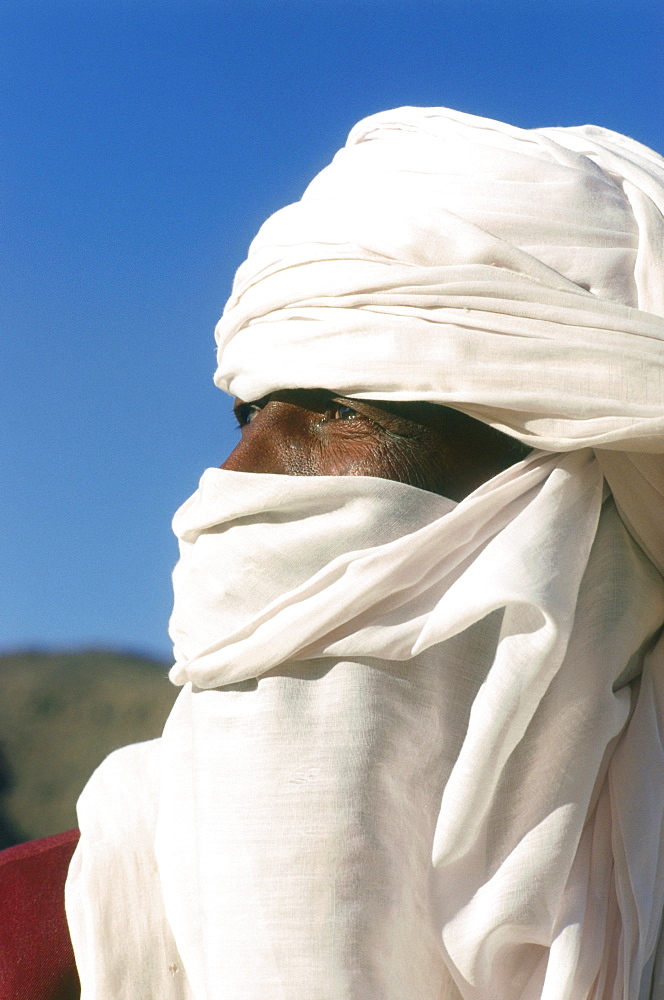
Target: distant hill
x=60 y=715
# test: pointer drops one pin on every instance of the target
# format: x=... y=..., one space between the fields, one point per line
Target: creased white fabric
x=418 y=750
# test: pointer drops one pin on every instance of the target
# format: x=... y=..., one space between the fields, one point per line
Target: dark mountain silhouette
x=60 y=715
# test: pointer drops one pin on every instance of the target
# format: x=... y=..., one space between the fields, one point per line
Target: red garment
x=36 y=957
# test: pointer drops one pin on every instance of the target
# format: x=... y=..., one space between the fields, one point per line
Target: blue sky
x=143 y=144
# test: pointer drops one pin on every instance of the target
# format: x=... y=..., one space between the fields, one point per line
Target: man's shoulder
x=36 y=957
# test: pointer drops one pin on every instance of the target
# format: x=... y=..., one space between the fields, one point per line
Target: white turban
x=517 y=275
x=418 y=753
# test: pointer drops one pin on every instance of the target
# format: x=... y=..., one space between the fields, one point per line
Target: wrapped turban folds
x=418 y=751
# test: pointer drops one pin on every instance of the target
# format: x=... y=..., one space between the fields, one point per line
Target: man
x=418 y=748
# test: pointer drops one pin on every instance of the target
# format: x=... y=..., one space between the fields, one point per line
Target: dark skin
x=314 y=432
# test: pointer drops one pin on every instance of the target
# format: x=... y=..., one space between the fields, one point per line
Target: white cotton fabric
x=418 y=750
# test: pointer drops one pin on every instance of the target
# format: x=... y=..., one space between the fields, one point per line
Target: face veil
x=419 y=759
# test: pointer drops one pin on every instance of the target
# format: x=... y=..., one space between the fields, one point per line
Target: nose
x=273 y=442
x=245 y=457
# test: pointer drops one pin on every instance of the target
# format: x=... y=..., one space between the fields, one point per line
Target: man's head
x=450 y=259
x=317 y=433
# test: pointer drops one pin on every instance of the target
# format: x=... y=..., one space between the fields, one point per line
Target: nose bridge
x=236 y=460
x=269 y=442
x=252 y=453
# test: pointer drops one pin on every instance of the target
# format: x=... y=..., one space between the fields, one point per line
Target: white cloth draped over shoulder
x=418 y=750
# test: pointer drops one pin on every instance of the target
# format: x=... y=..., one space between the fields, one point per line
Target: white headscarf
x=419 y=751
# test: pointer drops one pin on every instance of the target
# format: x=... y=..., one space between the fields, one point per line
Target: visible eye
x=340 y=411
x=245 y=412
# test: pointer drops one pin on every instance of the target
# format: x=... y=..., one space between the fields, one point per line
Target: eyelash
x=342 y=406
x=245 y=412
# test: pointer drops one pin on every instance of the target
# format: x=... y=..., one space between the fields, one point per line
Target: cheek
x=361 y=456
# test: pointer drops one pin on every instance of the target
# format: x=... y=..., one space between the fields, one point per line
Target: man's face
x=312 y=432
